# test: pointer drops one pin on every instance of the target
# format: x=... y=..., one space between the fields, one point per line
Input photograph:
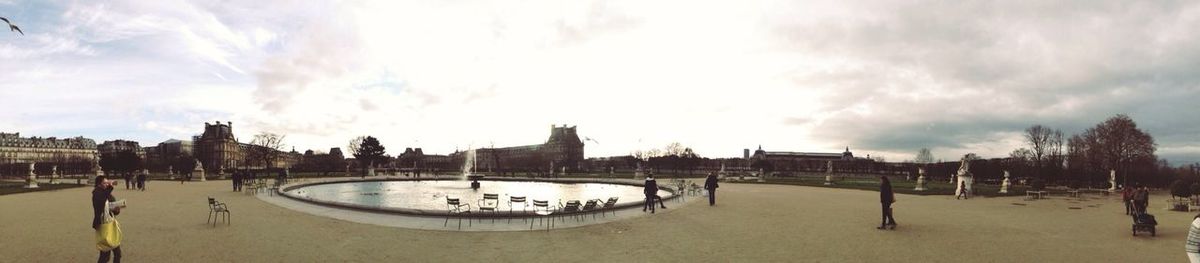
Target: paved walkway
x=751 y=223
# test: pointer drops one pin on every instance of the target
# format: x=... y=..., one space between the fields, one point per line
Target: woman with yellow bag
x=104 y=221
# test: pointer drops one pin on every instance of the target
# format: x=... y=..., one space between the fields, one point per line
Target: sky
x=884 y=78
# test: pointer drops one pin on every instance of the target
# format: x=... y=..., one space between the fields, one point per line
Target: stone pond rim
x=283 y=191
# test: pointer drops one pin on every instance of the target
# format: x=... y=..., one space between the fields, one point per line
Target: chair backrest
x=591 y=204
x=491 y=196
x=612 y=202
x=571 y=206
x=541 y=204
x=516 y=199
x=452 y=201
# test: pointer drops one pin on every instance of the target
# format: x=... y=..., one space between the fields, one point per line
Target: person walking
x=886 y=198
x=141 y=182
x=1191 y=246
x=1127 y=198
x=651 y=191
x=710 y=184
x=237 y=180
x=1141 y=197
x=101 y=195
x=129 y=181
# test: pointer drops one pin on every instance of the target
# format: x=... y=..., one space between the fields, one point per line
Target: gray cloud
x=947 y=74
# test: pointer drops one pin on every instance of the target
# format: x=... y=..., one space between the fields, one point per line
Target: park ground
x=751 y=223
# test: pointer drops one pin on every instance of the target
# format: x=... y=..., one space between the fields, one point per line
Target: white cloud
x=881 y=77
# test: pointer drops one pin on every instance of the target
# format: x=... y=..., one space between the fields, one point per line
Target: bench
x=1030 y=195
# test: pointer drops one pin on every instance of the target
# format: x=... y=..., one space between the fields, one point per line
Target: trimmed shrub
x=1181 y=188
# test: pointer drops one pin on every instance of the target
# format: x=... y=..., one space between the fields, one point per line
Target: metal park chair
x=514 y=200
x=215 y=209
x=489 y=203
x=456 y=208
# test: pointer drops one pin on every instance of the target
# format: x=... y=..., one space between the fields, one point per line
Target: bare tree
x=674 y=149
x=924 y=156
x=355 y=144
x=266 y=148
x=1045 y=147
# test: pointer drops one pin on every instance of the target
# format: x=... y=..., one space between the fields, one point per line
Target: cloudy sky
x=884 y=78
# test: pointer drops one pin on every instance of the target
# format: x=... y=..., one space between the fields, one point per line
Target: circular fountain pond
x=428 y=197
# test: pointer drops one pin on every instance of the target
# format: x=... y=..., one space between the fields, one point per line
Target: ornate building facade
x=70 y=155
x=115 y=146
x=562 y=150
x=217 y=148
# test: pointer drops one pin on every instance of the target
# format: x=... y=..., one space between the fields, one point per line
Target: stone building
x=562 y=149
x=116 y=146
x=781 y=161
x=217 y=148
x=70 y=155
x=159 y=158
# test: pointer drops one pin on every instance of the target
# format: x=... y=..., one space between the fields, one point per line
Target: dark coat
x=885 y=193
x=99 y=197
x=710 y=183
x=651 y=187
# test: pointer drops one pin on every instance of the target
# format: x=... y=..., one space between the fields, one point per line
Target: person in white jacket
x=1192 y=245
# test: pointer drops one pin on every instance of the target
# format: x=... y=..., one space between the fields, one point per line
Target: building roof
x=806 y=154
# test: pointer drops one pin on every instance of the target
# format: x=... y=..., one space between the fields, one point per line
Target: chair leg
x=447 y=221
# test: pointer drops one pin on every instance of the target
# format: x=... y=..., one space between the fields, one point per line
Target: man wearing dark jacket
x=710 y=184
x=886 y=198
x=651 y=191
x=101 y=195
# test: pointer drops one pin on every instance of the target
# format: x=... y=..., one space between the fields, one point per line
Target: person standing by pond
x=651 y=191
x=886 y=198
x=710 y=184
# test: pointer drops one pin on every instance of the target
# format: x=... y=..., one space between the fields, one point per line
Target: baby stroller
x=1143 y=222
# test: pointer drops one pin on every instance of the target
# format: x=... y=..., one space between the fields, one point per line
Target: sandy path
x=751 y=223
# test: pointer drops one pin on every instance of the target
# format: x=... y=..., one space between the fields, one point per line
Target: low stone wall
x=474 y=214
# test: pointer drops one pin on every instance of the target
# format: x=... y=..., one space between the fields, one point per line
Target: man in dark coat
x=710 y=184
x=141 y=181
x=237 y=180
x=101 y=195
x=651 y=191
x=886 y=198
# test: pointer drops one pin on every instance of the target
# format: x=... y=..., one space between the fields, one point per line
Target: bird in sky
x=12 y=27
x=590 y=139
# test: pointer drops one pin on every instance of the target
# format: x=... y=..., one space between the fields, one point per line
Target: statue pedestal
x=31 y=181
x=828 y=179
x=202 y=178
x=1004 y=186
x=964 y=184
x=920 y=183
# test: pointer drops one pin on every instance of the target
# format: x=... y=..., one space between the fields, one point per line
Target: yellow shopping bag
x=108 y=236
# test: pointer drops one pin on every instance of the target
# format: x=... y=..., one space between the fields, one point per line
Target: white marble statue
x=1004 y=185
x=828 y=172
x=32 y=180
x=920 y=179
x=1112 y=180
x=965 y=178
x=98 y=171
x=199 y=170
